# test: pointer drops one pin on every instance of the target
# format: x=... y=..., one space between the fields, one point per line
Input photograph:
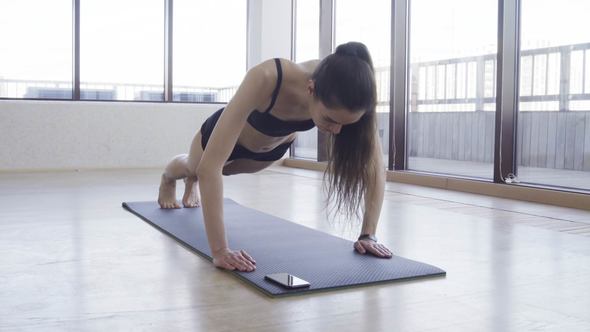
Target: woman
x=337 y=95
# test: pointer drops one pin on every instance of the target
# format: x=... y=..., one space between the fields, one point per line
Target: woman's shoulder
x=295 y=71
x=289 y=68
x=293 y=75
x=266 y=70
x=306 y=67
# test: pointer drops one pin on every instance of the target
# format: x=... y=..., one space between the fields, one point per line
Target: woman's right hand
x=232 y=259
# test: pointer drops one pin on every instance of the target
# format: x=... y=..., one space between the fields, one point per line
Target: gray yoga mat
x=278 y=245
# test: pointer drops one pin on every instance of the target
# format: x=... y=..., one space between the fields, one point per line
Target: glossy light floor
x=72 y=259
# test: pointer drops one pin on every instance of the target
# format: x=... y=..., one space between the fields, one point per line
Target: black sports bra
x=270 y=125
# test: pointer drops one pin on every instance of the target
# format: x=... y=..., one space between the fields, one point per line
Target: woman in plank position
x=276 y=99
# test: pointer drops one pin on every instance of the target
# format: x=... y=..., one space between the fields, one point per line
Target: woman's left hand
x=377 y=249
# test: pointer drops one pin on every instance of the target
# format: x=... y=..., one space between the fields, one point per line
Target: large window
x=452 y=82
x=307 y=35
x=122 y=49
x=36 y=49
x=209 y=48
x=369 y=22
x=366 y=22
x=307 y=30
x=553 y=137
x=453 y=47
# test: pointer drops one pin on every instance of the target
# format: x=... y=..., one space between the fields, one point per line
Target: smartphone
x=287 y=280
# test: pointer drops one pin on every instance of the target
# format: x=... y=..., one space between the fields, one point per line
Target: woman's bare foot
x=190 y=199
x=167 y=196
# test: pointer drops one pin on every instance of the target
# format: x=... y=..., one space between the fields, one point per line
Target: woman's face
x=331 y=120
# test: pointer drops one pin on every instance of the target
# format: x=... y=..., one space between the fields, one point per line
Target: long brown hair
x=346 y=79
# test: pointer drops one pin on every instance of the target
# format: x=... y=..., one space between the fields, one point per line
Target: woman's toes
x=190 y=203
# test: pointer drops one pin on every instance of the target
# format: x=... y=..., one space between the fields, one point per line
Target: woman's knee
x=176 y=167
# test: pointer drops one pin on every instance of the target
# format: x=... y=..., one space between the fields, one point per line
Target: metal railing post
x=565 y=54
x=479 y=83
x=415 y=86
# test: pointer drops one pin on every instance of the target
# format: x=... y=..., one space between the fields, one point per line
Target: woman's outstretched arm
x=255 y=89
x=373 y=204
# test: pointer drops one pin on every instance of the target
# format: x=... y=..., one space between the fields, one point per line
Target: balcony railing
x=552 y=78
x=111 y=91
x=448 y=97
x=446 y=101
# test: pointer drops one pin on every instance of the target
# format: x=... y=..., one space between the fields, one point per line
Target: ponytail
x=355 y=49
x=346 y=80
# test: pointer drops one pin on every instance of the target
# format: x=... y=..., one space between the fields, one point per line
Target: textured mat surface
x=278 y=245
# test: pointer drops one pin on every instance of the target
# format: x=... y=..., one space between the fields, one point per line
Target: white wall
x=49 y=135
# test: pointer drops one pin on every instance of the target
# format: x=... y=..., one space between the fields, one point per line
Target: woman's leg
x=185 y=167
x=182 y=166
x=240 y=166
x=191 y=190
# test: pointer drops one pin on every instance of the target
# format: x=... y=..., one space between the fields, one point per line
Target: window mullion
x=326 y=46
x=507 y=96
x=76 y=50
x=398 y=84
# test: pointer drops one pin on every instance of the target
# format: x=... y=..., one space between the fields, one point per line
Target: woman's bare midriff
x=256 y=141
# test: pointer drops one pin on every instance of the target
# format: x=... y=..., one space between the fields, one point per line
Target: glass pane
x=554 y=108
x=209 y=49
x=307 y=42
x=453 y=48
x=122 y=49
x=369 y=22
x=307 y=30
x=36 y=49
